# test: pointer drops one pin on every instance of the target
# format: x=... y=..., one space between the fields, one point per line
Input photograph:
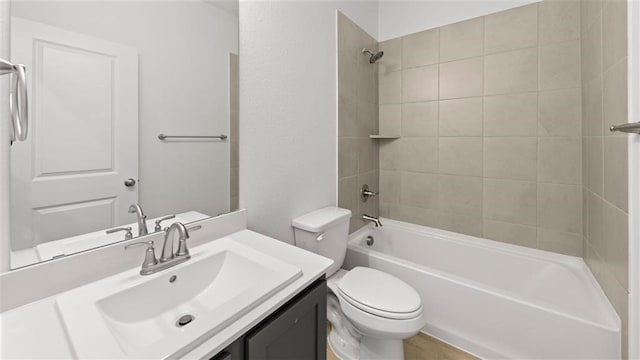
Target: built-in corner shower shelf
x=384 y=136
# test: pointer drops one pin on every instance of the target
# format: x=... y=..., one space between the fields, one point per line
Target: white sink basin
x=133 y=316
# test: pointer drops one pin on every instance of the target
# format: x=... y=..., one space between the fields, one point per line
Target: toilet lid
x=379 y=293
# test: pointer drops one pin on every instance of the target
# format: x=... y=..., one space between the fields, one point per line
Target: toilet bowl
x=370 y=311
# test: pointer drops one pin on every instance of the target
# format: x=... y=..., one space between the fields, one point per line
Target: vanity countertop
x=36 y=330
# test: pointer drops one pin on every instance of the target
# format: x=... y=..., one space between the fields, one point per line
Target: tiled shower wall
x=357 y=119
x=605 y=174
x=488 y=113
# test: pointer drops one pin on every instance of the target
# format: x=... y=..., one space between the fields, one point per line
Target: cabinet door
x=296 y=332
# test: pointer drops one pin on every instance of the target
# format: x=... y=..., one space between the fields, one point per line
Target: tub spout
x=373 y=219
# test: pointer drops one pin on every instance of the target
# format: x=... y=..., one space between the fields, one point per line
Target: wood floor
x=424 y=347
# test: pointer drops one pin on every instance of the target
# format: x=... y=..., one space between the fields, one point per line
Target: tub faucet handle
x=365 y=193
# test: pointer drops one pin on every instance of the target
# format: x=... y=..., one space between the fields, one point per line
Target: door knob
x=129 y=182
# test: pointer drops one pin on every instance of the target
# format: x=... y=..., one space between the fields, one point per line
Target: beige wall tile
x=616 y=230
x=614 y=96
x=463 y=224
x=511 y=29
x=419 y=190
x=592 y=108
x=414 y=215
x=559 y=21
x=347 y=116
x=461 y=40
x=509 y=72
x=591 y=11
x=616 y=172
x=460 y=195
x=585 y=218
x=596 y=223
x=560 y=65
x=595 y=161
x=560 y=113
x=390 y=186
x=614 y=32
x=392 y=58
x=367 y=114
x=420 y=119
x=560 y=242
x=560 y=207
x=462 y=78
x=516 y=234
x=510 y=201
x=420 y=84
x=347 y=157
x=348 y=194
x=420 y=49
x=419 y=154
x=460 y=117
x=460 y=155
x=347 y=75
x=348 y=37
x=510 y=158
x=390 y=87
x=511 y=115
x=389 y=154
x=591 y=51
x=560 y=160
x=367 y=155
x=390 y=119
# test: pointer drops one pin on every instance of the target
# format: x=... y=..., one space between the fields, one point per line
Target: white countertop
x=36 y=330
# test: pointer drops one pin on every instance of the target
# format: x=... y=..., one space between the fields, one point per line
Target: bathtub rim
x=610 y=321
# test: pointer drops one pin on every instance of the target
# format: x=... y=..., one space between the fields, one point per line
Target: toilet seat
x=379 y=294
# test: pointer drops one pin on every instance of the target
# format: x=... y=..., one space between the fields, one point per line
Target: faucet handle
x=128 y=235
x=158 y=226
x=149 y=256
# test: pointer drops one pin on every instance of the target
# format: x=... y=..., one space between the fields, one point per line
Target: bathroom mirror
x=106 y=79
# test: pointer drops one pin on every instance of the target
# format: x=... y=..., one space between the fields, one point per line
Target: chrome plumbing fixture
x=369 y=240
x=373 y=219
x=158 y=226
x=142 y=219
x=128 y=234
x=365 y=193
x=151 y=264
x=373 y=57
x=631 y=128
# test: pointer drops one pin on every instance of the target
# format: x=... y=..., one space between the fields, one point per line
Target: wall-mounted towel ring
x=18 y=103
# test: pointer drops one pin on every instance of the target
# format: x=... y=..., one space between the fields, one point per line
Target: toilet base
x=381 y=349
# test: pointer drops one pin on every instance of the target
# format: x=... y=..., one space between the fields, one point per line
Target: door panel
x=68 y=178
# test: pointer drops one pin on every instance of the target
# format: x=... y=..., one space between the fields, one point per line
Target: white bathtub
x=492 y=299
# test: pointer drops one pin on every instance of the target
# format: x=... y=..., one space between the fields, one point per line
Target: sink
x=133 y=316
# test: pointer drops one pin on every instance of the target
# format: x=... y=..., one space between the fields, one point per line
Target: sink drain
x=184 y=320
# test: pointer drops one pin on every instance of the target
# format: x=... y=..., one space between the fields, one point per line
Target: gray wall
x=605 y=172
x=489 y=115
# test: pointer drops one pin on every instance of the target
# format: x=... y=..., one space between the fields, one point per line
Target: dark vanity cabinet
x=296 y=331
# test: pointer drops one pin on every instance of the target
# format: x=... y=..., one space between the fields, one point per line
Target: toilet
x=370 y=311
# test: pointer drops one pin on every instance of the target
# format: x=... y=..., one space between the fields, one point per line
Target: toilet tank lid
x=321 y=219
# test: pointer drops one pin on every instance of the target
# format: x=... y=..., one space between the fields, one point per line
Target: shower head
x=373 y=57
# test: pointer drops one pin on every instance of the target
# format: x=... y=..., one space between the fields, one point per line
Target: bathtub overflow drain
x=184 y=320
x=369 y=240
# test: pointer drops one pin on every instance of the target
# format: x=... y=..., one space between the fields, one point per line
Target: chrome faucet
x=373 y=219
x=168 y=259
x=142 y=219
x=167 y=247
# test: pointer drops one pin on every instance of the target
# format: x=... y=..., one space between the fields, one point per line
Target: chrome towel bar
x=632 y=128
x=17 y=99
x=221 y=136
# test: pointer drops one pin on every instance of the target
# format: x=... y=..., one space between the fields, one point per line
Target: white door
x=68 y=177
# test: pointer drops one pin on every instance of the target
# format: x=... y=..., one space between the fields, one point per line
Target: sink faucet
x=142 y=219
x=373 y=219
x=167 y=247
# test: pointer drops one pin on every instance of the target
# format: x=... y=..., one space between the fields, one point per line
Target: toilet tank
x=324 y=232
